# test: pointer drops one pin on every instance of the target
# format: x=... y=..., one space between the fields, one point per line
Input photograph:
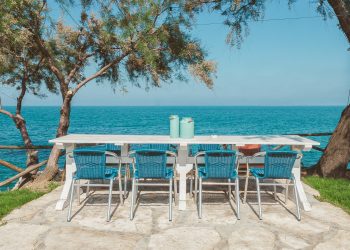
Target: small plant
x=10 y=200
x=334 y=191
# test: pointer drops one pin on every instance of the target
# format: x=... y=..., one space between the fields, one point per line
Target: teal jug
x=187 y=128
x=174 y=126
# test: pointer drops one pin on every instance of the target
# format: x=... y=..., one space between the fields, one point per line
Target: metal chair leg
x=132 y=199
x=109 y=200
x=170 y=199
x=88 y=189
x=125 y=183
x=191 y=184
x=175 y=190
x=78 y=192
x=246 y=185
x=229 y=190
x=237 y=199
x=71 y=190
x=195 y=187
x=286 y=192
x=200 y=199
x=121 y=192
x=259 y=198
x=297 y=200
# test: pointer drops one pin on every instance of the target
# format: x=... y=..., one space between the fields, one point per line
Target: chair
x=116 y=149
x=152 y=164
x=248 y=152
x=91 y=165
x=197 y=148
x=134 y=147
x=219 y=164
x=278 y=166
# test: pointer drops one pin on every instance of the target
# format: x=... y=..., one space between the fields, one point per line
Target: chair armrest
x=239 y=155
x=112 y=154
x=70 y=155
x=196 y=159
x=259 y=154
x=118 y=158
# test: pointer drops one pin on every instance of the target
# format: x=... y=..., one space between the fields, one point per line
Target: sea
x=227 y=120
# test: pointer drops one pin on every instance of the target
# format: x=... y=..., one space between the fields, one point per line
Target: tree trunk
x=342 y=10
x=32 y=154
x=336 y=156
x=51 y=168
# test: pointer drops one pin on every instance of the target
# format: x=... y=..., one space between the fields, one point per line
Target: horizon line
x=307 y=105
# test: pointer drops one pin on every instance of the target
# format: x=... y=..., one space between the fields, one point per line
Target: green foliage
x=239 y=13
x=335 y=191
x=20 y=60
x=125 y=41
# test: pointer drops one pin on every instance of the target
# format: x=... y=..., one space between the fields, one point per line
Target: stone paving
x=37 y=225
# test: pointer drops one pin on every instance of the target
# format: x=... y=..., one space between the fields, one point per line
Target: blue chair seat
x=257 y=172
x=203 y=174
x=110 y=173
x=169 y=173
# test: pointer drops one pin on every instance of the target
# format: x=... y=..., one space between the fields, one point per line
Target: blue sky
x=289 y=62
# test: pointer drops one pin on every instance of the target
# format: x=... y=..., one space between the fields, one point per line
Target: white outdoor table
x=184 y=162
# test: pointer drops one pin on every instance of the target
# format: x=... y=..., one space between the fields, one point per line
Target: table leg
x=301 y=193
x=70 y=169
x=182 y=171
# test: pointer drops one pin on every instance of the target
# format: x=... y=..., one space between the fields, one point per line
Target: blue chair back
x=207 y=147
x=113 y=148
x=91 y=164
x=150 y=163
x=204 y=147
x=220 y=164
x=279 y=164
x=163 y=147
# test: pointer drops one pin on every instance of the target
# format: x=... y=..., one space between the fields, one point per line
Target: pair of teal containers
x=181 y=129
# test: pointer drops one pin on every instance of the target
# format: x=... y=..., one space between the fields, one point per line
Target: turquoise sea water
x=42 y=123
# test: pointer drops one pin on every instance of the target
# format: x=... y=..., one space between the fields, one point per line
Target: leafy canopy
x=119 y=41
x=20 y=60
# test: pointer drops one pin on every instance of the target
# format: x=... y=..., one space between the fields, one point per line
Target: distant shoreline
x=179 y=106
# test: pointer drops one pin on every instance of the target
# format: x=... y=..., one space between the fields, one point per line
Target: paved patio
x=38 y=226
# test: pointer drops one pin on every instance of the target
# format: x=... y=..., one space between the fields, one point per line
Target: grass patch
x=334 y=191
x=9 y=200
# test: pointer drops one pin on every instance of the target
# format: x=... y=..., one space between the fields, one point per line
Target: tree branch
x=343 y=14
x=77 y=67
x=100 y=72
x=23 y=92
x=5 y=112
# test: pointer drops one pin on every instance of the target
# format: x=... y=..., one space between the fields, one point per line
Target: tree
x=336 y=156
x=238 y=13
x=124 y=41
x=21 y=68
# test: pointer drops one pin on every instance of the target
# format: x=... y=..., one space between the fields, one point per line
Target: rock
x=251 y=238
x=80 y=238
x=341 y=240
x=185 y=238
x=20 y=236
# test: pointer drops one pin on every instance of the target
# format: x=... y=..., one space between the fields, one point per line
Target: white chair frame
x=199 y=182
x=88 y=185
x=286 y=185
x=135 y=184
